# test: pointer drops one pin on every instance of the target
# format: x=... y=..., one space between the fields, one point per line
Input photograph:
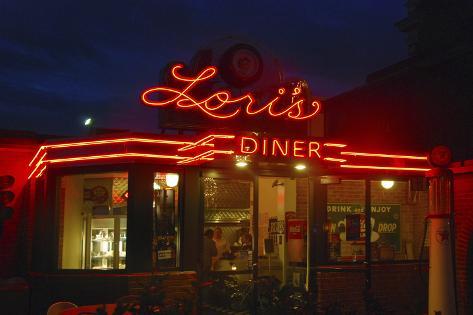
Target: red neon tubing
x=381 y=155
x=392 y=168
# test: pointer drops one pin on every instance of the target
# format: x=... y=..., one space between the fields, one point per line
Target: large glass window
x=398 y=209
x=166 y=223
x=228 y=221
x=93 y=221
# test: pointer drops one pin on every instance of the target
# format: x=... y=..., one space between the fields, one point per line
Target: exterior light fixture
x=241 y=164
x=172 y=179
x=300 y=167
x=241 y=161
x=387 y=184
x=88 y=121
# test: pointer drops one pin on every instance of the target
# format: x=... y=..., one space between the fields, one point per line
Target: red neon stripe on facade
x=391 y=156
x=108 y=141
x=37 y=165
x=205 y=141
x=392 y=168
x=41 y=172
x=36 y=155
x=205 y=156
x=117 y=155
x=334 y=160
x=338 y=145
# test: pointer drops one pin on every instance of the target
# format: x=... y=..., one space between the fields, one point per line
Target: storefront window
x=93 y=221
x=166 y=223
x=228 y=216
x=345 y=225
x=398 y=209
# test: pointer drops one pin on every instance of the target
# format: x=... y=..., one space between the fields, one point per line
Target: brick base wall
x=396 y=288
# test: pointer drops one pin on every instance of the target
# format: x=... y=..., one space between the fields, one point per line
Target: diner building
x=106 y=212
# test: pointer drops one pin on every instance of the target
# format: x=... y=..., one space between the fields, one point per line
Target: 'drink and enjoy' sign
x=385 y=224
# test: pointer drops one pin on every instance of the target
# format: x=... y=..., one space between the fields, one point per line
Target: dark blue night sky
x=63 y=60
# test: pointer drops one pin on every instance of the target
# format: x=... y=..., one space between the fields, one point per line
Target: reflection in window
x=397 y=211
x=166 y=214
x=92 y=221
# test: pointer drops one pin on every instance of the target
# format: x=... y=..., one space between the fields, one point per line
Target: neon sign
x=207 y=148
x=222 y=105
x=276 y=147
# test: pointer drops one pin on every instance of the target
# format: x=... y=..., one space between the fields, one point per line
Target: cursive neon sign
x=222 y=105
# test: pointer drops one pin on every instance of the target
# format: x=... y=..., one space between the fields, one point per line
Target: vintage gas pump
x=441 y=275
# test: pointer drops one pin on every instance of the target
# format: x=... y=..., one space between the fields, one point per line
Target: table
x=89 y=308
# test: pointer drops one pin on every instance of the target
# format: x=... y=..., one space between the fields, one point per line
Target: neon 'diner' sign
x=285 y=103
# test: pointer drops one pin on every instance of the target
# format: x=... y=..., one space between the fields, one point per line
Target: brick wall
x=340 y=288
x=463 y=190
x=396 y=288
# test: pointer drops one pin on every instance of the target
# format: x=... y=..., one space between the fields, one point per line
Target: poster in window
x=385 y=222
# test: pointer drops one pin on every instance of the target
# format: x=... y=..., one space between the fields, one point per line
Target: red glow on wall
x=222 y=105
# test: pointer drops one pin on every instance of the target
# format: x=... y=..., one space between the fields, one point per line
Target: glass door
x=282 y=229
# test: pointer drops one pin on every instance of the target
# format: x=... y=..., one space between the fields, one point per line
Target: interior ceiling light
x=387 y=184
x=172 y=179
x=300 y=167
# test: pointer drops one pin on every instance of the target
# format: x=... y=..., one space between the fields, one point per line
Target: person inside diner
x=222 y=245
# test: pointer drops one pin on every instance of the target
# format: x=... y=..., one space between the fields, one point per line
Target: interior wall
x=267 y=207
x=72 y=224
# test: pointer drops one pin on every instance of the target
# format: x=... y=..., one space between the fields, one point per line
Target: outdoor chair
x=58 y=307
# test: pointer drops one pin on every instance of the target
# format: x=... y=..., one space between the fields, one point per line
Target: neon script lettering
x=222 y=104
